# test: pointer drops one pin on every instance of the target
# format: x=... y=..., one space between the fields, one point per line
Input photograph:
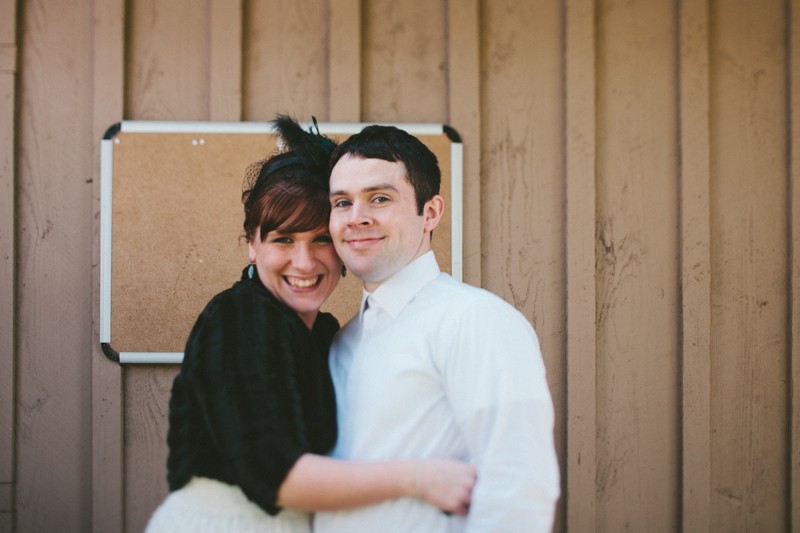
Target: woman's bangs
x=313 y=213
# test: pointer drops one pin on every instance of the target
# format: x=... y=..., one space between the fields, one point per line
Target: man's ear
x=433 y=211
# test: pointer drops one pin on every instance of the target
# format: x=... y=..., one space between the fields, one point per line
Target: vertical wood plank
x=8 y=290
x=581 y=474
x=8 y=70
x=638 y=307
x=695 y=173
x=8 y=27
x=286 y=59
x=167 y=60
x=794 y=247
x=225 y=68
x=53 y=305
x=522 y=189
x=750 y=294
x=464 y=114
x=344 y=62
x=107 y=396
x=404 y=52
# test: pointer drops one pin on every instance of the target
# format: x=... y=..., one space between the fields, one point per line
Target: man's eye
x=341 y=203
x=380 y=199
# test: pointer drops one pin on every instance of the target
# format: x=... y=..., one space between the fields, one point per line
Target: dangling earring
x=344 y=271
x=250 y=270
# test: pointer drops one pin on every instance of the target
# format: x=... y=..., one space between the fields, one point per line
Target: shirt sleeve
x=238 y=366
x=496 y=384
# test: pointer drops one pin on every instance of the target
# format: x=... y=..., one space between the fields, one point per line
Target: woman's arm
x=317 y=483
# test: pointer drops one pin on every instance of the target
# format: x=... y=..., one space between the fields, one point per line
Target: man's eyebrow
x=373 y=188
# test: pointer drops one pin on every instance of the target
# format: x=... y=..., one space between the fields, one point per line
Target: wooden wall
x=8 y=65
x=631 y=174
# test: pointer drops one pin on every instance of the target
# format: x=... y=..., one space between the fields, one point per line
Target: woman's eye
x=324 y=239
x=282 y=240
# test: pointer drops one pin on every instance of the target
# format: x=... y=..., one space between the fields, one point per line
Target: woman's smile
x=301 y=269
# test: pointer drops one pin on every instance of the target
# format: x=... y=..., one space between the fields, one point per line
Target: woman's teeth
x=302 y=283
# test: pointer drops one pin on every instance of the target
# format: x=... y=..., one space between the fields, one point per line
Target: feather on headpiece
x=311 y=149
x=307 y=150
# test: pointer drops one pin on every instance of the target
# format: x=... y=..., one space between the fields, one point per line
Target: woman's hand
x=446 y=484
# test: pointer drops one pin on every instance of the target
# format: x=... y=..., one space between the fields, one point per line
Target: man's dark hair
x=395 y=145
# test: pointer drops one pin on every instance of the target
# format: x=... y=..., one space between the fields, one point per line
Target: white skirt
x=208 y=505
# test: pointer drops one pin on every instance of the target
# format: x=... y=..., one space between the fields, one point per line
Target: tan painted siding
x=8 y=69
x=53 y=261
x=637 y=268
x=275 y=31
x=631 y=186
x=749 y=274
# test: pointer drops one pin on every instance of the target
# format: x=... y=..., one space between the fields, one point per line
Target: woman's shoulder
x=236 y=325
x=246 y=308
x=244 y=293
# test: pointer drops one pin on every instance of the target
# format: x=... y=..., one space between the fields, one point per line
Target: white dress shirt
x=444 y=369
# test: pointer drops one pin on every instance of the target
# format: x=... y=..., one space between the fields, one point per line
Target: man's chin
x=367 y=274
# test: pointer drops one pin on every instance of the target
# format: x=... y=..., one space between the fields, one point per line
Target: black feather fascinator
x=312 y=150
x=302 y=156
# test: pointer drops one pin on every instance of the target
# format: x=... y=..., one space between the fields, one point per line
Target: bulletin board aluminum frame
x=455 y=206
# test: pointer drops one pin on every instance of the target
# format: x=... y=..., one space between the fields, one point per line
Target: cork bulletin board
x=171 y=225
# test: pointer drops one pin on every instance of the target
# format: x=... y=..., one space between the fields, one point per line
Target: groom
x=430 y=367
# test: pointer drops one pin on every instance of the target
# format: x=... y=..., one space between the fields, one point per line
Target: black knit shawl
x=254 y=393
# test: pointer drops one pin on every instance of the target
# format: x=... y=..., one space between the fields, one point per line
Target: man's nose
x=359 y=216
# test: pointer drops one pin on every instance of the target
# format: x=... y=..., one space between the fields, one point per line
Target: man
x=430 y=367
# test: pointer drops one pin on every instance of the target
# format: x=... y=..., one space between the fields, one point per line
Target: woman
x=252 y=410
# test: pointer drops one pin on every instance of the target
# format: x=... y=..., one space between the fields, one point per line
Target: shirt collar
x=394 y=293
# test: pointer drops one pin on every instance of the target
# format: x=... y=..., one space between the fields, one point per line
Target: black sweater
x=254 y=393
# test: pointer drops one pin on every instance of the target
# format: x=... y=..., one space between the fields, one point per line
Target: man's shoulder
x=452 y=293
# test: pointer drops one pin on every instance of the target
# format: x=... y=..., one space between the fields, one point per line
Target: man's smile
x=362 y=242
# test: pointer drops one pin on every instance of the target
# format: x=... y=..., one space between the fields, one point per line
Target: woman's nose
x=303 y=258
